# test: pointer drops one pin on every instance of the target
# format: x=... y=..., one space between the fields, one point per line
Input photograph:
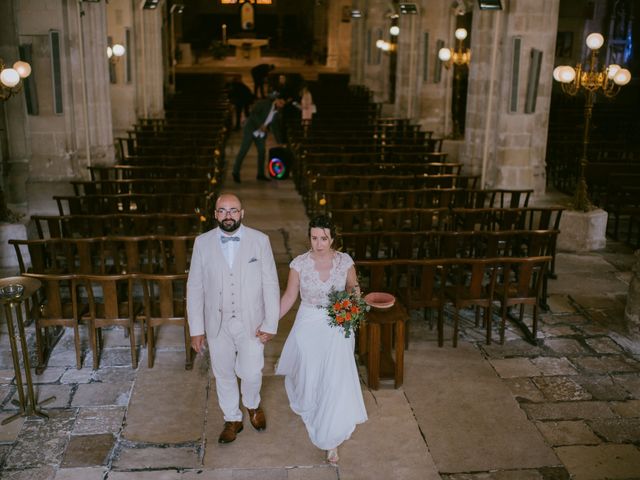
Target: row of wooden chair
x=99 y=204
x=173 y=171
x=99 y=301
x=135 y=186
x=105 y=255
x=325 y=201
x=124 y=224
x=462 y=283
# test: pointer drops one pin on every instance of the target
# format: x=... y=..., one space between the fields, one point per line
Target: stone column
x=372 y=64
x=96 y=68
x=508 y=147
x=338 y=36
x=148 y=60
x=15 y=151
x=632 y=311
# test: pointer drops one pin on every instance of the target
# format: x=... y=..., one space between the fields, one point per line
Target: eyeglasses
x=223 y=212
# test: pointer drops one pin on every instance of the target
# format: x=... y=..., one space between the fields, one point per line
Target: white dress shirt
x=229 y=249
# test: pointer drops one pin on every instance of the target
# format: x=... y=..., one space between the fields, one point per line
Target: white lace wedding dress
x=318 y=362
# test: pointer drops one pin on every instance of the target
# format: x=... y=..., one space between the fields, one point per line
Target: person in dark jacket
x=265 y=116
x=259 y=73
x=241 y=97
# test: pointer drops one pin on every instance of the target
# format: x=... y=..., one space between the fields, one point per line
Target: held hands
x=264 y=337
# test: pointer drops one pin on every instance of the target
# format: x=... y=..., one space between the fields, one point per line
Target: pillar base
x=582 y=231
x=9 y=231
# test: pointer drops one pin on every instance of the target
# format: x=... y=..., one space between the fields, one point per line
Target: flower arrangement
x=346 y=310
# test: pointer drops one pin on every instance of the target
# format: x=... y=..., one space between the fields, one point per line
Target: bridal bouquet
x=346 y=310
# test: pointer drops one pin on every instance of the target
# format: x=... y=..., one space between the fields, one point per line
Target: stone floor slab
x=568 y=410
x=630 y=408
x=565 y=346
x=603 y=345
x=89 y=473
x=602 y=387
x=167 y=394
x=630 y=382
x=567 y=433
x=102 y=394
x=515 y=367
x=502 y=475
x=608 y=461
x=618 y=430
x=523 y=389
x=260 y=473
x=554 y=366
x=200 y=474
x=46 y=472
x=95 y=420
x=456 y=400
x=87 y=450
x=157 y=458
x=41 y=442
x=10 y=431
x=389 y=444
x=606 y=365
x=561 y=389
x=73 y=375
x=313 y=473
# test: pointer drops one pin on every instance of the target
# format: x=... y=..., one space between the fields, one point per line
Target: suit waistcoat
x=231 y=295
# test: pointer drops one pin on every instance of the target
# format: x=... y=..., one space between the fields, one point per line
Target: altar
x=248 y=48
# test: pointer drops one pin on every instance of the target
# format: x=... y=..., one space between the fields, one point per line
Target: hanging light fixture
x=11 y=78
x=459 y=56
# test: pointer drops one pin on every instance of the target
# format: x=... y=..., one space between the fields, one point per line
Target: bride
x=317 y=360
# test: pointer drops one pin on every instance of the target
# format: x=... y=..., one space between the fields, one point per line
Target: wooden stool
x=376 y=343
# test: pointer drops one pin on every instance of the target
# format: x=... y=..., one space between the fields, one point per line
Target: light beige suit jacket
x=259 y=288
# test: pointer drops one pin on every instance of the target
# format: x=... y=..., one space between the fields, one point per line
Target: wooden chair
x=58 y=306
x=520 y=283
x=165 y=304
x=111 y=302
x=425 y=288
x=471 y=283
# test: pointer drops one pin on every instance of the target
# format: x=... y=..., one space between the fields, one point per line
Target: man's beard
x=230 y=224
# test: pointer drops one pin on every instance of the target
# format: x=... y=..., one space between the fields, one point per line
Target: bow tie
x=226 y=239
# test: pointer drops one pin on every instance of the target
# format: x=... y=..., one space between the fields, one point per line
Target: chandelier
x=11 y=78
x=460 y=56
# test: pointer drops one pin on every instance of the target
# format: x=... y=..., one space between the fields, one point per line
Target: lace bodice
x=314 y=291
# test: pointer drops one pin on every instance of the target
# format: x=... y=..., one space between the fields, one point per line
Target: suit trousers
x=247 y=139
x=235 y=354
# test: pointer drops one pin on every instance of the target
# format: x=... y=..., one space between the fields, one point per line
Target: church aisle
x=565 y=409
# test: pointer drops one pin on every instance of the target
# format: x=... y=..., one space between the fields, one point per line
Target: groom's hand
x=197 y=343
x=264 y=336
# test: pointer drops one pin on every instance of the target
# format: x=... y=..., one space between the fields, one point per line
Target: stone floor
x=567 y=408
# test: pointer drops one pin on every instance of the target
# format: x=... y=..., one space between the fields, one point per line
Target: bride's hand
x=263 y=336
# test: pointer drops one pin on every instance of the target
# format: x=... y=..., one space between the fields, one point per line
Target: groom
x=233 y=299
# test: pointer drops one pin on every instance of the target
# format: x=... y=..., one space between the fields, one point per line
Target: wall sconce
x=590 y=81
x=385 y=46
x=11 y=78
x=394 y=30
x=150 y=4
x=459 y=56
x=114 y=53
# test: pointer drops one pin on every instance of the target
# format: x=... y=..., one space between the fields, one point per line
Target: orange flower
x=340 y=320
x=336 y=306
x=348 y=316
x=355 y=310
x=346 y=303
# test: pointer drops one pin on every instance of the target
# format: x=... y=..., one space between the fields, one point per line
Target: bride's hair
x=322 y=221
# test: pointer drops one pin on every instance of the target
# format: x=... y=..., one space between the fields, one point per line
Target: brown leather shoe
x=257 y=418
x=231 y=429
